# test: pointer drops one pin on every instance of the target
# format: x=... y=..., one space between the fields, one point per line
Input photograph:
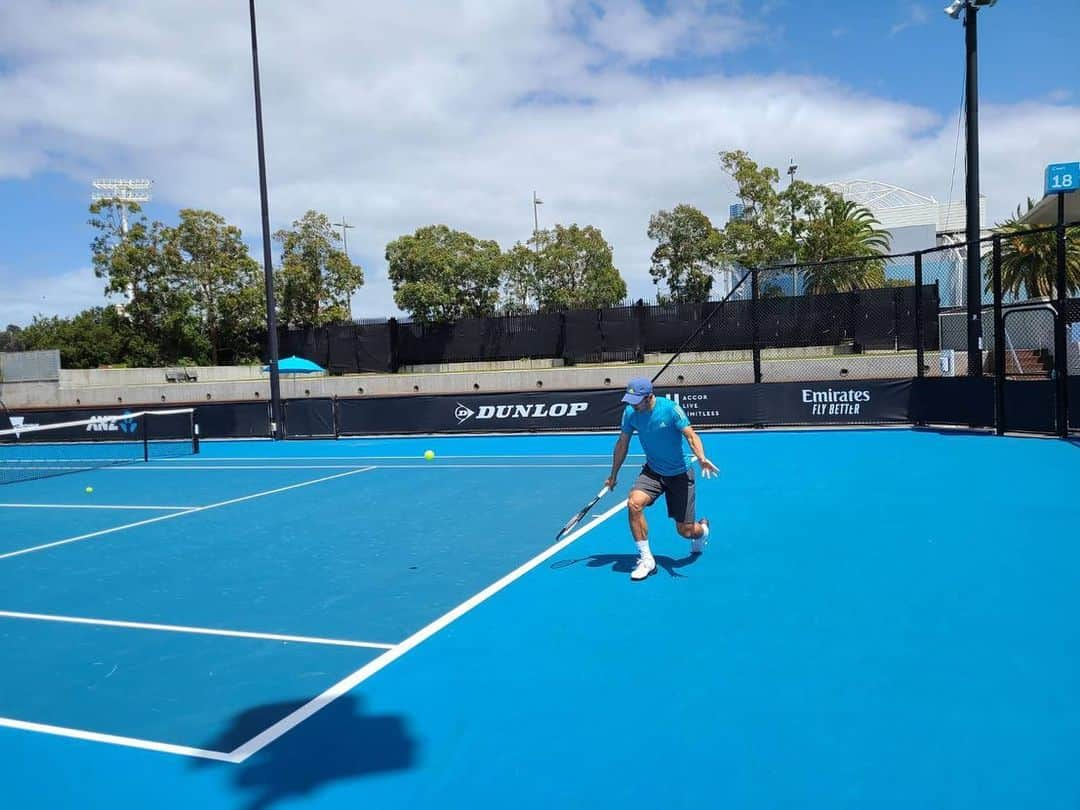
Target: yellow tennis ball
x=429 y=454
x=89 y=490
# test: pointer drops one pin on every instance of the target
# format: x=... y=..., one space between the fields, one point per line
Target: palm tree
x=843 y=229
x=1029 y=260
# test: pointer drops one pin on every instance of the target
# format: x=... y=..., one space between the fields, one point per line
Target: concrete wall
x=147 y=386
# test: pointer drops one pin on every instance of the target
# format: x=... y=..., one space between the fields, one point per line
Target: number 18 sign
x=1062 y=177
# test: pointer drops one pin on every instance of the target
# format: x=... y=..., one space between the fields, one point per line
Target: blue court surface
x=884 y=618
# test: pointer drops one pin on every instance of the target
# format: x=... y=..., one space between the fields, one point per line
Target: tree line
x=192 y=293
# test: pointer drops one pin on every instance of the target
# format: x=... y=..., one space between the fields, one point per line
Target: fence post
x=999 y=341
x=1061 y=357
x=639 y=317
x=755 y=294
x=919 y=356
x=394 y=353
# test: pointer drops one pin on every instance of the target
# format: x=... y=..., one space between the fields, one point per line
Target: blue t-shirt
x=660 y=431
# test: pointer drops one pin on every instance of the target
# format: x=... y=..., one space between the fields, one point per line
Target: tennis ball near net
x=429 y=454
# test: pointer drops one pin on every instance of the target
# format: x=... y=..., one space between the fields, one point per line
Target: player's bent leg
x=637 y=502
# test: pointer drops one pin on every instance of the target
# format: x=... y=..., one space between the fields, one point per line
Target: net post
x=145 y=428
x=194 y=433
x=999 y=341
x=919 y=355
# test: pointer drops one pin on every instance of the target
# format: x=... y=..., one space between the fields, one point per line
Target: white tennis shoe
x=697 y=544
x=646 y=567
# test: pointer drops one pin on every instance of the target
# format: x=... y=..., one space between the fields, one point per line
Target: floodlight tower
x=971 y=198
x=345 y=226
x=122 y=191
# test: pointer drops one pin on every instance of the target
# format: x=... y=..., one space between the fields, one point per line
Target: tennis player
x=661 y=426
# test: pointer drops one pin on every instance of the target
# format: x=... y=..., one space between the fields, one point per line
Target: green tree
x=566 y=267
x=440 y=275
x=133 y=263
x=316 y=279
x=688 y=254
x=761 y=237
x=840 y=229
x=1029 y=260
x=11 y=339
x=99 y=336
x=209 y=264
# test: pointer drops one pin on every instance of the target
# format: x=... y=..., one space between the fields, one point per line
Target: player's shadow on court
x=335 y=744
x=625 y=563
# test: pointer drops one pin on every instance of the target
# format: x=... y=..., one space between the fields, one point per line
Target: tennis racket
x=576 y=519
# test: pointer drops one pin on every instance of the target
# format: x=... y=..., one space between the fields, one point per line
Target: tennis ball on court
x=429 y=454
x=89 y=490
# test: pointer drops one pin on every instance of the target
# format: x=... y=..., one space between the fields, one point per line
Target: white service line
x=282 y=726
x=204 y=458
x=113 y=739
x=87 y=506
x=419 y=465
x=172 y=515
x=203 y=631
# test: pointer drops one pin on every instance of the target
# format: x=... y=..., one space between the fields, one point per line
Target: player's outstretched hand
x=708 y=469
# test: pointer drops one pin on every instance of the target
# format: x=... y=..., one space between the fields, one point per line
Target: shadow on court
x=624 y=563
x=336 y=744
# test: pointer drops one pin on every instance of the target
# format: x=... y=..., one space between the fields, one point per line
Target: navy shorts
x=678 y=491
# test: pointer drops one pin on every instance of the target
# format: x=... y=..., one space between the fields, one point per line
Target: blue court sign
x=1062 y=178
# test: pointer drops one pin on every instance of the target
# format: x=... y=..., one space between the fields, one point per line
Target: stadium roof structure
x=898 y=207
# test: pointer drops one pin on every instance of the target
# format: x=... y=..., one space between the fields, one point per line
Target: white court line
x=204 y=458
x=203 y=631
x=282 y=726
x=113 y=739
x=85 y=506
x=192 y=511
x=420 y=464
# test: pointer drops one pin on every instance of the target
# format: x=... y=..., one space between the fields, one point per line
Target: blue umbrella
x=296 y=365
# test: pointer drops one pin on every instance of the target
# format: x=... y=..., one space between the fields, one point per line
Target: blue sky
x=422 y=112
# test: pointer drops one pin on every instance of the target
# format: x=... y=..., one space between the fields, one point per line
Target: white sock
x=643 y=549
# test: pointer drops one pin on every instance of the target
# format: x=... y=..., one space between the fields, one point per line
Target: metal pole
x=999 y=343
x=792 y=168
x=919 y=358
x=1061 y=360
x=276 y=421
x=974 y=265
x=755 y=350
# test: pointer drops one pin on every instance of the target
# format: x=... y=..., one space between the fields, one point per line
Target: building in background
x=917 y=222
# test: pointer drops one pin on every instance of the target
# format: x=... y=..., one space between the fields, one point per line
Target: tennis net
x=29 y=451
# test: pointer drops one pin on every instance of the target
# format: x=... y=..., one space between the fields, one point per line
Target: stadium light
x=971 y=195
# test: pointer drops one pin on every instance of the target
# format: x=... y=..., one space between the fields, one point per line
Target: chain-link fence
x=851 y=319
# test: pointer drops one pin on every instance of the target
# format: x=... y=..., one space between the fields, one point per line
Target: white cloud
x=26 y=296
x=400 y=115
x=915 y=15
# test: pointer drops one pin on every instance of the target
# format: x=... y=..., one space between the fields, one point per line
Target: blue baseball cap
x=637 y=389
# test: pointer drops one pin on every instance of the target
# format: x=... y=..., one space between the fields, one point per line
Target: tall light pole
x=971 y=196
x=536 y=217
x=345 y=246
x=344 y=236
x=276 y=415
x=791 y=169
x=123 y=191
x=537 y=202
